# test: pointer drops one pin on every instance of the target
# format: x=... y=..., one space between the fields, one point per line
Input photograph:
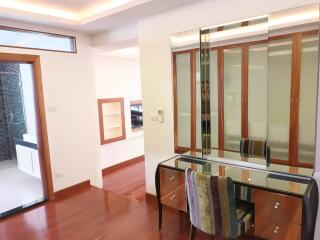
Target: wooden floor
x=128 y=181
x=97 y=214
x=94 y=214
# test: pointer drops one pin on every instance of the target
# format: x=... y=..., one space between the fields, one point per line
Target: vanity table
x=284 y=203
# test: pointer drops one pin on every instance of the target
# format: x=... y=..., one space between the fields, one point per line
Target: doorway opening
x=24 y=162
x=119 y=100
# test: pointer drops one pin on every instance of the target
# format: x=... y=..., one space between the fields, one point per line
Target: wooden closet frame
x=294 y=95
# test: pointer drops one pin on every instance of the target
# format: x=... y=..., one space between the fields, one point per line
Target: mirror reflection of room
x=263 y=75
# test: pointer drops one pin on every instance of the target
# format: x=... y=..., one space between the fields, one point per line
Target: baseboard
x=122 y=165
x=74 y=189
x=150 y=197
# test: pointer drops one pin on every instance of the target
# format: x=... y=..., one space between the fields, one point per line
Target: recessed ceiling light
x=33 y=8
x=103 y=7
x=79 y=17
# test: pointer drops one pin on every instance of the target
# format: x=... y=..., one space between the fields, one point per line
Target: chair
x=254 y=147
x=212 y=206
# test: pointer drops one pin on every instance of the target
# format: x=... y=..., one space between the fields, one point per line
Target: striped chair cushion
x=244 y=193
x=212 y=205
x=244 y=221
x=253 y=147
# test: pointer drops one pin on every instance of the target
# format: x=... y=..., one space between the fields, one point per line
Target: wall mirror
x=254 y=79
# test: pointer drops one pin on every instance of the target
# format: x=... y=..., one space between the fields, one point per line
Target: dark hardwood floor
x=97 y=214
x=128 y=181
x=94 y=214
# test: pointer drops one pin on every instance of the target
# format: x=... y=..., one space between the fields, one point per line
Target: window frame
x=73 y=39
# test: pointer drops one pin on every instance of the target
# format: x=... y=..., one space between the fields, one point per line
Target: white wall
x=72 y=123
x=28 y=99
x=119 y=77
x=117 y=38
x=155 y=59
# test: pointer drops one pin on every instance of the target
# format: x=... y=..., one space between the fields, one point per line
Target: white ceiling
x=91 y=16
x=69 y=5
x=130 y=53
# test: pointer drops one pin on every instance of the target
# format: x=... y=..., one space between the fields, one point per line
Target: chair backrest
x=254 y=147
x=212 y=205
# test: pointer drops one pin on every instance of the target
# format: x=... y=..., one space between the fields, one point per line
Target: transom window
x=21 y=38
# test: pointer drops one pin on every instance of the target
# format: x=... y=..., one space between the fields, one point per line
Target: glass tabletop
x=235 y=158
x=259 y=178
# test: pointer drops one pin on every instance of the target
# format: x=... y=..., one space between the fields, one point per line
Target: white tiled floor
x=16 y=187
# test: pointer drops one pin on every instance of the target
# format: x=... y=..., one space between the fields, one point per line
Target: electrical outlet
x=154 y=118
x=52 y=108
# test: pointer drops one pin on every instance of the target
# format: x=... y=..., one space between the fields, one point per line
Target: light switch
x=160 y=116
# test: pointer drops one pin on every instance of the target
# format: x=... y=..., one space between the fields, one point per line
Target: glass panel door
x=308 y=98
x=279 y=86
x=183 y=100
x=258 y=91
x=232 y=98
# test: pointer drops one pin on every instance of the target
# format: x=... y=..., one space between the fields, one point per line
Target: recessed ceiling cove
x=85 y=15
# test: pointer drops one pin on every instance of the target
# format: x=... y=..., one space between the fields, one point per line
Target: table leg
x=157 y=182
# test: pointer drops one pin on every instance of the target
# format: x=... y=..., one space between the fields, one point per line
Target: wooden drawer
x=275 y=229
x=170 y=180
x=278 y=206
x=176 y=199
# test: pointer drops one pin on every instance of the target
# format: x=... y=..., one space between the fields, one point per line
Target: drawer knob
x=276 y=230
x=276 y=205
x=172 y=197
x=171 y=178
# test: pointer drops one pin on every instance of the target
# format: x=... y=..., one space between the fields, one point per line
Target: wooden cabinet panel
x=36 y=163
x=24 y=159
x=275 y=229
x=172 y=189
x=170 y=180
x=176 y=199
x=278 y=206
x=28 y=160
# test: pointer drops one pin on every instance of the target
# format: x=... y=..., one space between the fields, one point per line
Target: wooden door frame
x=244 y=90
x=193 y=145
x=42 y=134
x=294 y=98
